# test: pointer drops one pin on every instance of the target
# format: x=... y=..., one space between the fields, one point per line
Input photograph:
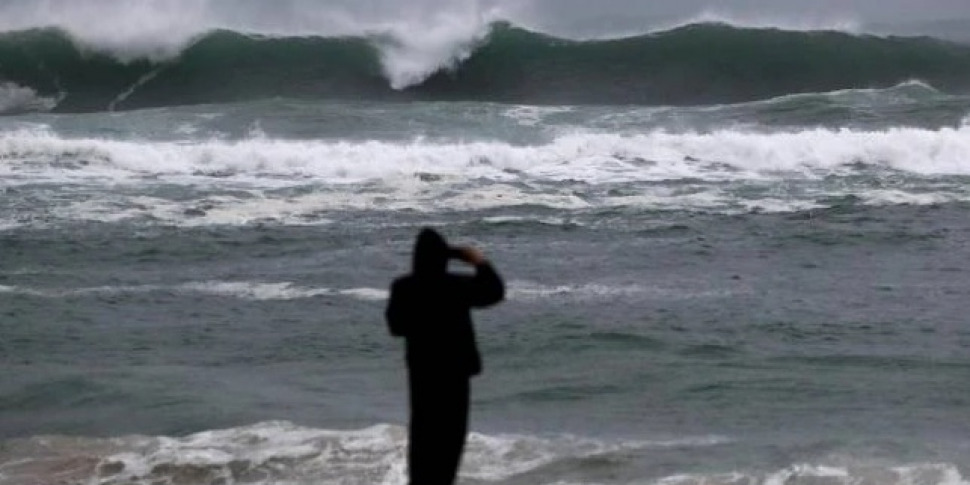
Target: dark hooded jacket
x=430 y=308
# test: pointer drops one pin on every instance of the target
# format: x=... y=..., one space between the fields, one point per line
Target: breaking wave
x=35 y=155
x=282 y=453
x=693 y=64
x=311 y=181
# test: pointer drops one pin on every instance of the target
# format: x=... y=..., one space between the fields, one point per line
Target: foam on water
x=19 y=99
x=246 y=290
x=590 y=157
x=264 y=453
x=266 y=291
x=280 y=452
x=813 y=474
x=547 y=221
x=293 y=210
x=209 y=210
x=527 y=115
x=305 y=181
x=892 y=197
x=283 y=453
x=522 y=290
x=446 y=40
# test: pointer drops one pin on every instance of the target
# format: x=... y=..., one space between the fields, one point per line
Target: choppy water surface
x=768 y=287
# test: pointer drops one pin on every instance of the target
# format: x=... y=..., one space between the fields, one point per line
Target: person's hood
x=431 y=253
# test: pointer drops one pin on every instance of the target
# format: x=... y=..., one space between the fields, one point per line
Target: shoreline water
x=689 y=348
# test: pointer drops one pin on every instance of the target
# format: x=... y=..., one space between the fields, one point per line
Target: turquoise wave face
x=696 y=64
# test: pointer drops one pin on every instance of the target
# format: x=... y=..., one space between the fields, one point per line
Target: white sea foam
x=810 y=474
x=268 y=291
x=247 y=290
x=293 y=210
x=588 y=157
x=19 y=99
x=576 y=171
x=447 y=38
x=527 y=115
x=210 y=210
x=524 y=290
x=548 y=221
x=895 y=196
x=280 y=452
x=500 y=457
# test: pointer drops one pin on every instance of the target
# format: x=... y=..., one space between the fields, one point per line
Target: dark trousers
x=439 y=424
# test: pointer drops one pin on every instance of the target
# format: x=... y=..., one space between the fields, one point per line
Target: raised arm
x=485 y=287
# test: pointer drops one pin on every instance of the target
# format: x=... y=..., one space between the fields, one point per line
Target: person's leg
x=454 y=430
x=438 y=428
x=421 y=429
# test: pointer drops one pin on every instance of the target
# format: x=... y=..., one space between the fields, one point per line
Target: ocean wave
x=33 y=156
x=213 y=182
x=282 y=453
x=480 y=62
x=16 y=99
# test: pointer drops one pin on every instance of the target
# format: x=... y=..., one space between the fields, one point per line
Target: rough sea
x=734 y=256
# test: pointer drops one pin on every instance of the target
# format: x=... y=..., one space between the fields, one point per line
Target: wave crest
x=481 y=61
x=16 y=99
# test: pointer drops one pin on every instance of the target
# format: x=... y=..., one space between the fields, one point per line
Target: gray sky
x=600 y=16
x=124 y=22
x=876 y=10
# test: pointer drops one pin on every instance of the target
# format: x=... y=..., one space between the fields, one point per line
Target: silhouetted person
x=430 y=308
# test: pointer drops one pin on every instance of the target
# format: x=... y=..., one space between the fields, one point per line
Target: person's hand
x=470 y=255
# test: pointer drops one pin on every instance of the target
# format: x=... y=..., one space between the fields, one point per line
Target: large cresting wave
x=694 y=64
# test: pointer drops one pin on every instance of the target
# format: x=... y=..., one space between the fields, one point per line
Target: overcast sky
x=876 y=10
x=563 y=17
x=600 y=16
